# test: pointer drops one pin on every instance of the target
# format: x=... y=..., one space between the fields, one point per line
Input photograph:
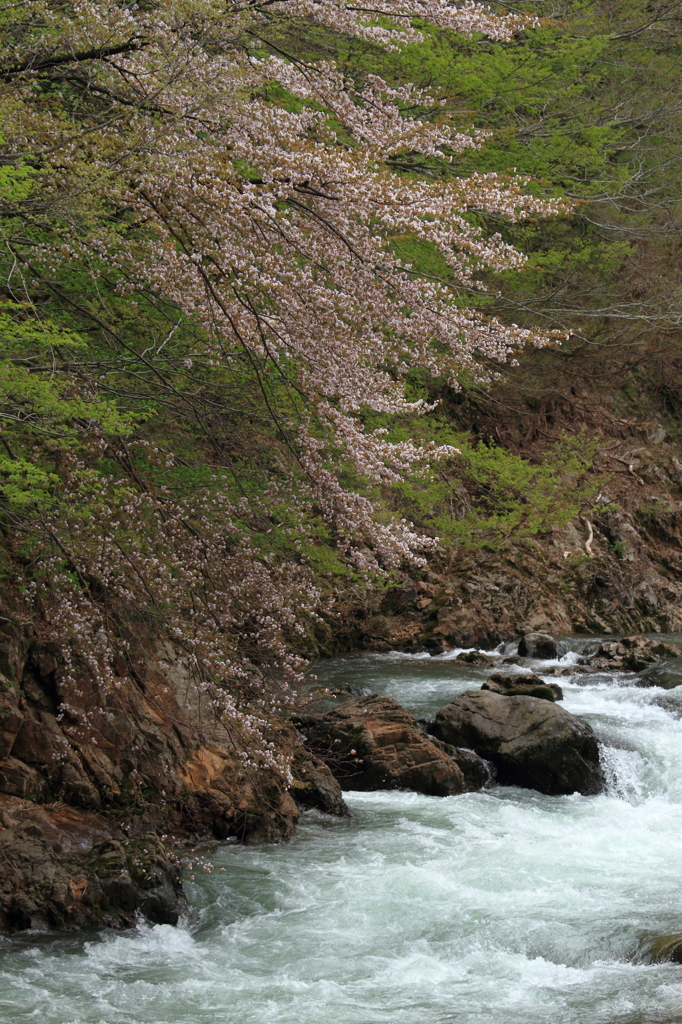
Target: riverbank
x=485 y=908
x=91 y=771
x=101 y=786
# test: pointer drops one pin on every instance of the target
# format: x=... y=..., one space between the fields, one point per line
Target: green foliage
x=585 y=106
x=579 y=111
x=16 y=182
x=487 y=495
x=619 y=547
x=39 y=405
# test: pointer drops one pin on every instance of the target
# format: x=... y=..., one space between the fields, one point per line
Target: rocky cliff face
x=618 y=570
x=97 y=785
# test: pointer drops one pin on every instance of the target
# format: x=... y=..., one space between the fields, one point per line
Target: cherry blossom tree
x=169 y=147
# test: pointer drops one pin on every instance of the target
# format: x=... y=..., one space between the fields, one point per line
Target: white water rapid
x=498 y=907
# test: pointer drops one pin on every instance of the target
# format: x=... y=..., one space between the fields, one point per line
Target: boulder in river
x=374 y=743
x=666 y=948
x=315 y=786
x=631 y=653
x=531 y=743
x=477 y=772
x=666 y=674
x=67 y=868
x=538 y=645
x=526 y=685
x=474 y=658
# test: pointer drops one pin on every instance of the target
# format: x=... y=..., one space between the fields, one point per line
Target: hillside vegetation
x=292 y=301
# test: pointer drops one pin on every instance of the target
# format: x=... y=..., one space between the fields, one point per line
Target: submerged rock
x=527 y=685
x=374 y=743
x=667 y=675
x=631 y=653
x=538 y=645
x=531 y=743
x=666 y=948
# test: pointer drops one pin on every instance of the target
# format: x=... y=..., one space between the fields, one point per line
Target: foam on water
x=500 y=907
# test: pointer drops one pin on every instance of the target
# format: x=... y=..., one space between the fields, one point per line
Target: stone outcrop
x=631 y=654
x=532 y=743
x=64 y=868
x=374 y=743
x=538 y=645
x=123 y=763
x=522 y=685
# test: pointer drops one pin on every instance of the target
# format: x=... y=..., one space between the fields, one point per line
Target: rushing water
x=499 y=907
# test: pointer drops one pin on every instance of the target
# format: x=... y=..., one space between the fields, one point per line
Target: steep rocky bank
x=618 y=570
x=100 y=789
x=98 y=786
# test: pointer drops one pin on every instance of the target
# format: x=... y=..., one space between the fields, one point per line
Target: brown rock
x=538 y=645
x=632 y=653
x=19 y=779
x=11 y=721
x=474 y=658
x=63 y=868
x=527 y=685
x=374 y=743
x=149 y=752
x=532 y=743
x=477 y=772
x=315 y=786
x=120 y=665
x=666 y=948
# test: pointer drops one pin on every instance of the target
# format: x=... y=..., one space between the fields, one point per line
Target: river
x=498 y=907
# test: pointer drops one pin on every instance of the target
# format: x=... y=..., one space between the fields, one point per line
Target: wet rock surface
x=474 y=658
x=315 y=786
x=531 y=743
x=666 y=948
x=522 y=685
x=69 y=869
x=539 y=645
x=631 y=654
x=666 y=674
x=478 y=773
x=374 y=743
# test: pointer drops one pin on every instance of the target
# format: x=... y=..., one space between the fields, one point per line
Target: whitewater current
x=497 y=907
